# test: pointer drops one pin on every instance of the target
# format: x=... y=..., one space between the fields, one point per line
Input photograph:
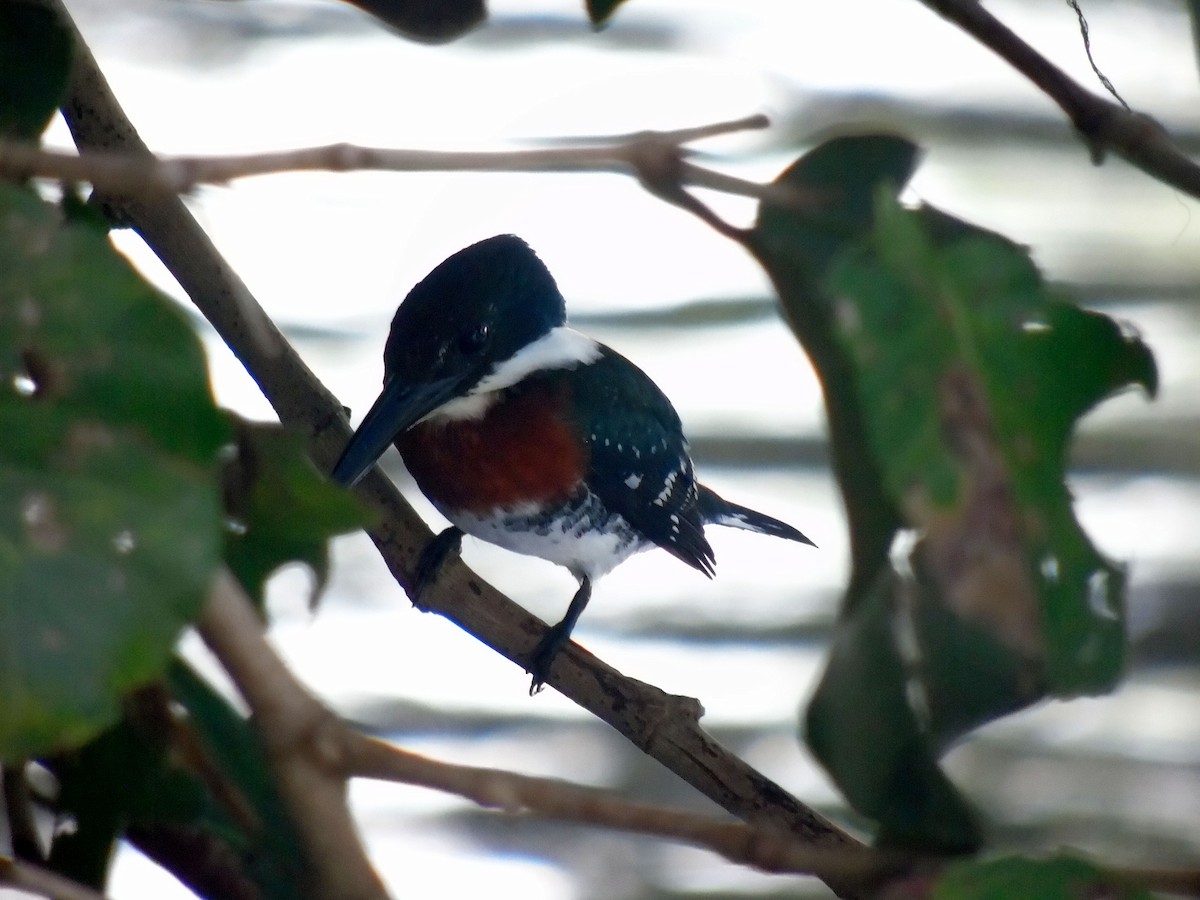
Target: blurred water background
x=329 y=256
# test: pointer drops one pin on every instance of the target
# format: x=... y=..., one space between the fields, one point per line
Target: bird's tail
x=716 y=510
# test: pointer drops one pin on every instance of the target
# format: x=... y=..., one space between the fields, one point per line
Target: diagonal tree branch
x=1102 y=124
x=665 y=727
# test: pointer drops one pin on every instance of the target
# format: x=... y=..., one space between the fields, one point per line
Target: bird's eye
x=472 y=341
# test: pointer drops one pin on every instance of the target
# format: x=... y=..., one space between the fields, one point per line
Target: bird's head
x=473 y=312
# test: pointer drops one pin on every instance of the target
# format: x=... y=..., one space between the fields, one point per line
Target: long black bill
x=399 y=407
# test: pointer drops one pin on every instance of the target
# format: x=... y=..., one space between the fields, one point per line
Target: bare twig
x=1102 y=124
x=32 y=879
x=770 y=850
x=303 y=735
x=646 y=154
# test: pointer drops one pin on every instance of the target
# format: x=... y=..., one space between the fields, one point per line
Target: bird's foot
x=433 y=558
x=557 y=637
x=544 y=654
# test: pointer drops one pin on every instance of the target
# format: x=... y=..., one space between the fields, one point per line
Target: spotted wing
x=639 y=465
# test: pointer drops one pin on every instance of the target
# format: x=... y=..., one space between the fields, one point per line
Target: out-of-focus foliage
x=280 y=508
x=111 y=523
x=35 y=63
x=430 y=21
x=954 y=378
x=1056 y=878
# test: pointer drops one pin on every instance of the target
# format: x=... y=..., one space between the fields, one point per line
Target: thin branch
x=664 y=727
x=1103 y=125
x=770 y=850
x=138 y=174
x=32 y=879
x=302 y=739
x=301 y=733
x=1085 y=32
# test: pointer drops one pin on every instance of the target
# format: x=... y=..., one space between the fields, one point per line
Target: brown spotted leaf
x=973 y=374
x=970 y=374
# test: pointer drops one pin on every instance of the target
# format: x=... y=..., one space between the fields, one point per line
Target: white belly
x=581 y=537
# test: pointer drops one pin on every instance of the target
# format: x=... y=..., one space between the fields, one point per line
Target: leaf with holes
x=971 y=374
x=110 y=507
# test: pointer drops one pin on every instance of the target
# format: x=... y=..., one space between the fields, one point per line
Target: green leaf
x=281 y=508
x=1057 y=878
x=35 y=67
x=121 y=776
x=258 y=829
x=834 y=185
x=970 y=375
x=973 y=374
x=862 y=728
x=184 y=783
x=600 y=11
x=953 y=379
x=110 y=514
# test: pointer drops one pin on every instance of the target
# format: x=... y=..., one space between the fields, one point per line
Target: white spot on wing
x=667 y=489
x=633 y=481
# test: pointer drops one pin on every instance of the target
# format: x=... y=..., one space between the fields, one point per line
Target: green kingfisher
x=531 y=435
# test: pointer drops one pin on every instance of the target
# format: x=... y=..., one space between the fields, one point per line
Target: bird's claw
x=544 y=654
x=433 y=558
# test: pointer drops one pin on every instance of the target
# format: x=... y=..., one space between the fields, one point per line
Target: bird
x=528 y=434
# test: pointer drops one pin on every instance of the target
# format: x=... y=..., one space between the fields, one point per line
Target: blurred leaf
x=191 y=790
x=600 y=11
x=282 y=509
x=973 y=375
x=431 y=21
x=120 y=776
x=35 y=67
x=861 y=726
x=1057 y=878
x=110 y=527
x=1193 y=8
x=76 y=209
x=953 y=379
x=835 y=186
x=251 y=817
